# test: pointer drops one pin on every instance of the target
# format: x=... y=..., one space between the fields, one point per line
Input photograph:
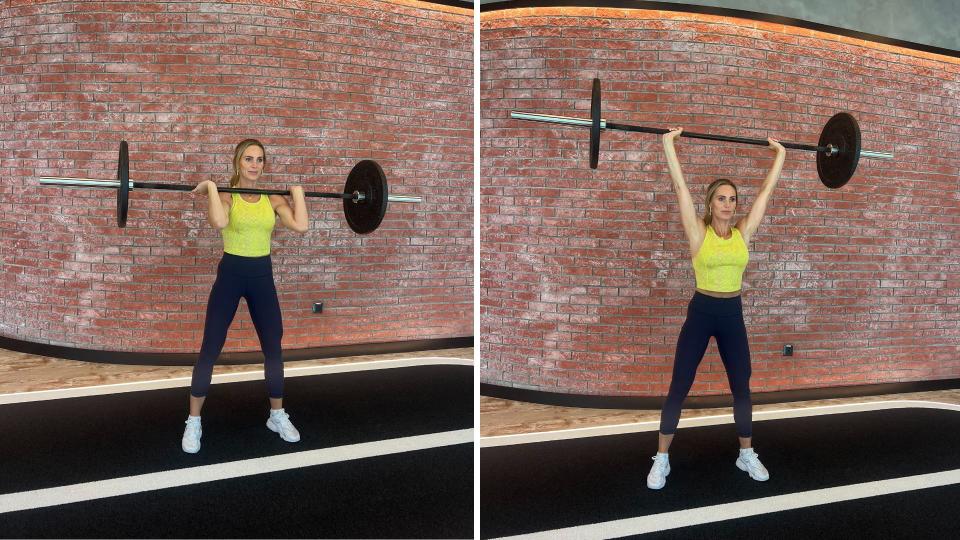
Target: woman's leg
x=691 y=345
x=221 y=308
x=268 y=321
x=663 y=443
x=265 y=312
x=196 y=403
x=735 y=353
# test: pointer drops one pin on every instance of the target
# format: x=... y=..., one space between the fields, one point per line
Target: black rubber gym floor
x=901 y=515
x=537 y=487
x=423 y=493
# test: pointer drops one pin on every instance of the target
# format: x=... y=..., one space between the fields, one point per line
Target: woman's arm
x=749 y=223
x=218 y=208
x=296 y=218
x=692 y=224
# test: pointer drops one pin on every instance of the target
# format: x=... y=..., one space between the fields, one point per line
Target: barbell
x=364 y=196
x=838 y=150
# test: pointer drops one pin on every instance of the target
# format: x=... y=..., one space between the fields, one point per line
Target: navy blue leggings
x=250 y=278
x=722 y=318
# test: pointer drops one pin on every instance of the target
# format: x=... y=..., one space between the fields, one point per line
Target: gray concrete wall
x=928 y=22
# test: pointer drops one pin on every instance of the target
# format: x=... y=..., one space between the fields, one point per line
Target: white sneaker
x=750 y=462
x=279 y=422
x=658 y=473
x=191 y=435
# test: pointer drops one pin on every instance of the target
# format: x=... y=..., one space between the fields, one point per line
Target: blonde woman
x=245 y=271
x=718 y=248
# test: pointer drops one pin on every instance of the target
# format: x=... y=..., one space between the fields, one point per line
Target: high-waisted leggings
x=721 y=318
x=250 y=278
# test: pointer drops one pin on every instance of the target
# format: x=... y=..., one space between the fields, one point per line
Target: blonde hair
x=711 y=191
x=238 y=153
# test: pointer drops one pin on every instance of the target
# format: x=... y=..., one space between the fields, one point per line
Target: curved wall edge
x=187 y=359
x=727 y=12
x=465 y=4
x=711 y=401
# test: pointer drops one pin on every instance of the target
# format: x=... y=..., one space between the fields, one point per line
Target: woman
x=718 y=247
x=246 y=223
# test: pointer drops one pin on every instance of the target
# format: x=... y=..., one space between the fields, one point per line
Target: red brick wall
x=322 y=84
x=585 y=274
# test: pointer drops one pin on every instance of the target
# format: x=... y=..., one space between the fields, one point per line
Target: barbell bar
x=365 y=194
x=115 y=184
x=838 y=149
x=77 y=182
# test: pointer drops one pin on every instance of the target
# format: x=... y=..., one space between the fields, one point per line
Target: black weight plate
x=595 y=125
x=843 y=132
x=365 y=216
x=123 y=191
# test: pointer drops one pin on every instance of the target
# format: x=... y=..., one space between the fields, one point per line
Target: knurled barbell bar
x=364 y=195
x=838 y=150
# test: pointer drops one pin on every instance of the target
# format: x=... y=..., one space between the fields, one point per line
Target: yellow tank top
x=250 y=227
x=720 y=263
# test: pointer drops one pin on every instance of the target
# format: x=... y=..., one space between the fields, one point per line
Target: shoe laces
x=751 y=458
x=660 y=462
x=282 y=419
x=193 y=428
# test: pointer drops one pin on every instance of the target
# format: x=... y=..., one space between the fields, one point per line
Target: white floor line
x=741 y=509
x=179 y=382
x=758 y=416
x=41 y=498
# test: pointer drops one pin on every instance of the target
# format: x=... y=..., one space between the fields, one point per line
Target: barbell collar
x=872 y=154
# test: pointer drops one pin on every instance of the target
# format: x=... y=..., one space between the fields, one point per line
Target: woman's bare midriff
x=716 y=294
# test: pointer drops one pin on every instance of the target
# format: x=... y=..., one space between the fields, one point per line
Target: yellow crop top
x=720 y=263
x=250 y=227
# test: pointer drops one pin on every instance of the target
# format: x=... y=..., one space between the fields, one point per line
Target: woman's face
x=724 y=203
x=251 y=164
